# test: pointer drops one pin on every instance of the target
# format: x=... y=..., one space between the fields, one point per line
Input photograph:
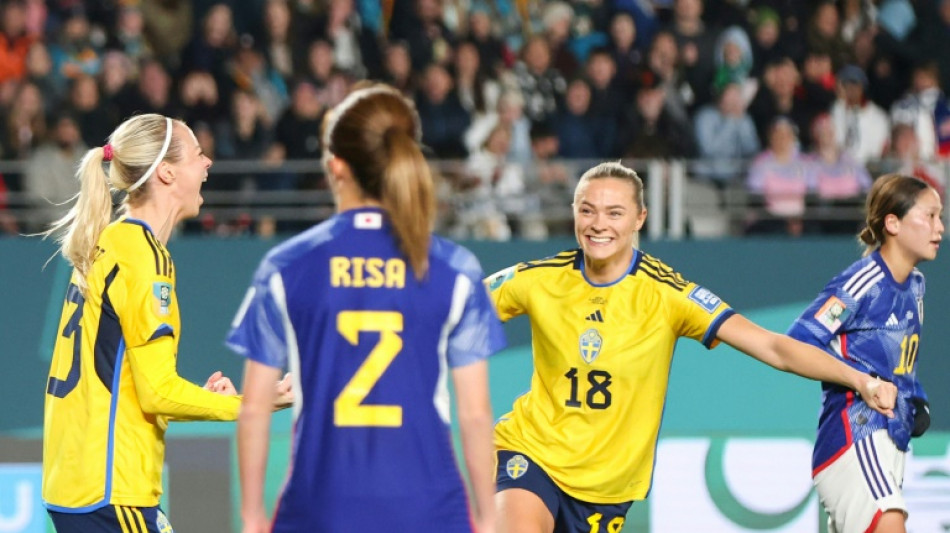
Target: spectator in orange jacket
x=14 y=41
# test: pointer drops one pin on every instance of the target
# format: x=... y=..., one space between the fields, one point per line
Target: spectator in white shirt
x=920 y=109
x=862 y=128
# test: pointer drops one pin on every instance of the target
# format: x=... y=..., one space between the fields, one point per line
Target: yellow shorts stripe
x=120 y=516
x=141 y=519
x=130 y=516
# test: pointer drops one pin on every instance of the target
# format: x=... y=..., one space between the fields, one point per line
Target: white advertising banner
x=21 y=508
x=739 y=485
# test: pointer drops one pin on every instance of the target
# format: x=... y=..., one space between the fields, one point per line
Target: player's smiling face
x=607 y=219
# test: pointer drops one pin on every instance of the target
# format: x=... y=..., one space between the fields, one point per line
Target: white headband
x=161 y=155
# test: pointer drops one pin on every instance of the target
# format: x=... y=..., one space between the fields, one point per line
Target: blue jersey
x=870 y=321
x=371 y=347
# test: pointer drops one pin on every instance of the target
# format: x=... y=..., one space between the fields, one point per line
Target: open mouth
x=599 y=240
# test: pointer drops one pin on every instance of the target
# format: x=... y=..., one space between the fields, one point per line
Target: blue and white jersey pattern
x=370 y=347
x=870 y=321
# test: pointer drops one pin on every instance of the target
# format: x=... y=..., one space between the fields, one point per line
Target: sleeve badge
x=832 y=314
x=496 y=280
x=704 y=298
x=162 y=292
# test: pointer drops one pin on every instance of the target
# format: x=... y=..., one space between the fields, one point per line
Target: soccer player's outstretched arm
x=789 y=355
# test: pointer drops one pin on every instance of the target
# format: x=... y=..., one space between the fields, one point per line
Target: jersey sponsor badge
x=590 y=344
x=704 y=298
x=162 y=292
x=920 y=309
x=368 y=221
x=832 y=313
x=497 y=279
x=516 y=466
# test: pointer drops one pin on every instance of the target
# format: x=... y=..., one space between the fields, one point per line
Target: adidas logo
x=891 y=321
x=595 y=316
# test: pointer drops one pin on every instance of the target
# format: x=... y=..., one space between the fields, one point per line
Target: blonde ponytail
x=77 y=232
x=134 y=151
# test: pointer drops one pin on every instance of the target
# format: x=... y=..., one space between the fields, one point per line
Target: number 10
x=909 y=348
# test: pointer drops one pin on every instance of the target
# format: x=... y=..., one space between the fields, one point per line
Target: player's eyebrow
x=615 y=206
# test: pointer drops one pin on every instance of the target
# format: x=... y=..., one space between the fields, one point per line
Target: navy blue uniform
x=113 y=519
x=871 y=322
x=370 y=347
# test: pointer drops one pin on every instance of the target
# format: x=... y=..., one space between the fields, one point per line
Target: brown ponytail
x=407 y=194
x=376 y=131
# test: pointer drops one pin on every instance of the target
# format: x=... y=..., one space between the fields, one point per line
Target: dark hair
x=376 y=131
x=928 y=66
x=542 y=129
x=780 y=60
x=600 y=51
x=891 y=194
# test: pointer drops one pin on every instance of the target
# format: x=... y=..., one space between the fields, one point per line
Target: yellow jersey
x=112 y=384
x=602 y=356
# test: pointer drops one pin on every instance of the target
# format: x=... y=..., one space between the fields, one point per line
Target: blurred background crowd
x=795 y=102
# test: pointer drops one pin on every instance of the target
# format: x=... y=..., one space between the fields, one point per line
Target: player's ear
x=165 y=172
x=892 y=224
x=337 y=169
x=641 y=218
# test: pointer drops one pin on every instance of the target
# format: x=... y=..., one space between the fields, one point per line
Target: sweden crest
x=162 y=522
x=516 y=466
x=590 y=344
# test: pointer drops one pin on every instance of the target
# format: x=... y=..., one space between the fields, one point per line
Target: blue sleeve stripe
x=163 y=331
x=710 y=335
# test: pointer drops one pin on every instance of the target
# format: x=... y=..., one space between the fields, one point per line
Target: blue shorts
x=518 y=471
x=113 y=519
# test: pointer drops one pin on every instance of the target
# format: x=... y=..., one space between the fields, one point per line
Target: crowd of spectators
x=813 y=93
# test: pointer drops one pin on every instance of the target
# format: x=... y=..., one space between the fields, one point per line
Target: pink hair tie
x=107 y=152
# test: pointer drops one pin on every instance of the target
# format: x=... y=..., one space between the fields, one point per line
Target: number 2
x=348 y=408
x=61 y=387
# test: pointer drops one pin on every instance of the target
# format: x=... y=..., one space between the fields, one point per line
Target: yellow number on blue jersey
x=348 y=408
